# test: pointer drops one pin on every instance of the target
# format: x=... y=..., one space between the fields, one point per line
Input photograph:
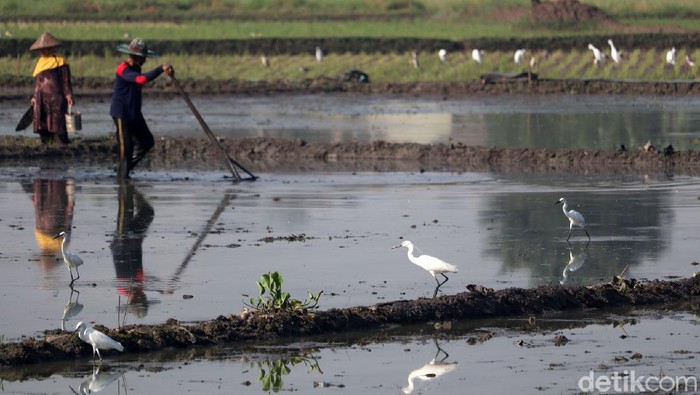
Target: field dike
x=478 y=302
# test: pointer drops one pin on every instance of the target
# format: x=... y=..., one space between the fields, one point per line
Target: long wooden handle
x=207 y=131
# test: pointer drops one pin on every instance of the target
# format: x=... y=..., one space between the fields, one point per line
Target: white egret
x=414 y=59
x=671 y=56
x=71 y=260
x=430 y=371
x=690 y=62
x=97 y=340
x=319 y=54
x=614 y=53
x=575 y=218
x=477 y=55
x=442 y=55
x=433 y=265
x=519 y=56
x=265 y=60
x=598 y=56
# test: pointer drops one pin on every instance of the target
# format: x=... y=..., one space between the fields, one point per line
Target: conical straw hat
x=46 y=40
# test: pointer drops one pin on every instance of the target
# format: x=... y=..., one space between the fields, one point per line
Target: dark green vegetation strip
x=354 y=45
x=247 y=326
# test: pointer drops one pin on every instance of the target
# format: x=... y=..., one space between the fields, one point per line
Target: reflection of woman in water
x=134 y=218
x=53 y=206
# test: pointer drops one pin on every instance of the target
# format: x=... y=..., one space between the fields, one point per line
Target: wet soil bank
x=479 y=302
x=259 y=154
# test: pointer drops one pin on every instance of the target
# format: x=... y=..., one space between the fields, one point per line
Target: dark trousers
x=134 y=140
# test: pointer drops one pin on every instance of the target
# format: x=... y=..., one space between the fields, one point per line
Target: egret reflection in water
x=72 y=308
x=97 y=381
x=576 y=261
x=431 y=370
x=133 y=220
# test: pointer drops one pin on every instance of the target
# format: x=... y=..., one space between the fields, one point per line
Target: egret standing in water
x=433 y=265
x=71 y=260
x=97 y=340
x=575 y=218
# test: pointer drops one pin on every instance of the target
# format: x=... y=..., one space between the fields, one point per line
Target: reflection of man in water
x=53 y=206
x=135 y=216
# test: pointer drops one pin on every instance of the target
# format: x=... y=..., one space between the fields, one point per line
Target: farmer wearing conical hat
x=53 y=92
x=134 y=139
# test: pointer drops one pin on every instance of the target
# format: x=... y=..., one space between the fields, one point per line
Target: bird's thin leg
x=436 y=291
x=71 y=275
x=446 y=278
x=77 y=272
x=98 y=353
x=569 y=236
x=589 y=236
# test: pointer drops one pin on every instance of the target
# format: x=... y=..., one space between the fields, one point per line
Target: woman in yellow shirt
x=53 y=92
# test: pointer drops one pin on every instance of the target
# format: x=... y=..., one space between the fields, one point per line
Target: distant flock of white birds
x=477 y=55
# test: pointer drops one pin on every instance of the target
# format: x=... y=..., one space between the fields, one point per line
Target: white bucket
x=73 y=120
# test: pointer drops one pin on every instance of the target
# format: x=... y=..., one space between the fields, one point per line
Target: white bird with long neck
x=98 y=340
x=432 y=265
x=477 y=55
x=671 y=56
x=598 y=56
x=614 y=53
x=575 y=218
x=519 y=56
x=71 y=260
x=319 y=54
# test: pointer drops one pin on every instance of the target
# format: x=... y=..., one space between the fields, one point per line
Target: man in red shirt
x=134 y=139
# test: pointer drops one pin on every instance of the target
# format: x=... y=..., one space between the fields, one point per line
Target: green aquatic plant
x=272 y=298
x=272 y=371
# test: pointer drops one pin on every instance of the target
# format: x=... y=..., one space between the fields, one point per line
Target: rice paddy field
x=458 y=21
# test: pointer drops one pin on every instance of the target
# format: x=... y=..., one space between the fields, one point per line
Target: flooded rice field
x=190 y=245
x=575 y=121
x=192 y=250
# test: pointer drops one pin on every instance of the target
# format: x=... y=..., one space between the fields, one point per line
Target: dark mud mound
x=249 y=326
x=260 y=154
x=566 y=11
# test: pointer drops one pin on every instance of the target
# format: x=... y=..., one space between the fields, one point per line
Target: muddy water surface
x=190 y=245
x=192 y=248
x=588 y=122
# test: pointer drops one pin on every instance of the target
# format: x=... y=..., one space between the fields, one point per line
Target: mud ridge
x=480 y=302
x=261 y=154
